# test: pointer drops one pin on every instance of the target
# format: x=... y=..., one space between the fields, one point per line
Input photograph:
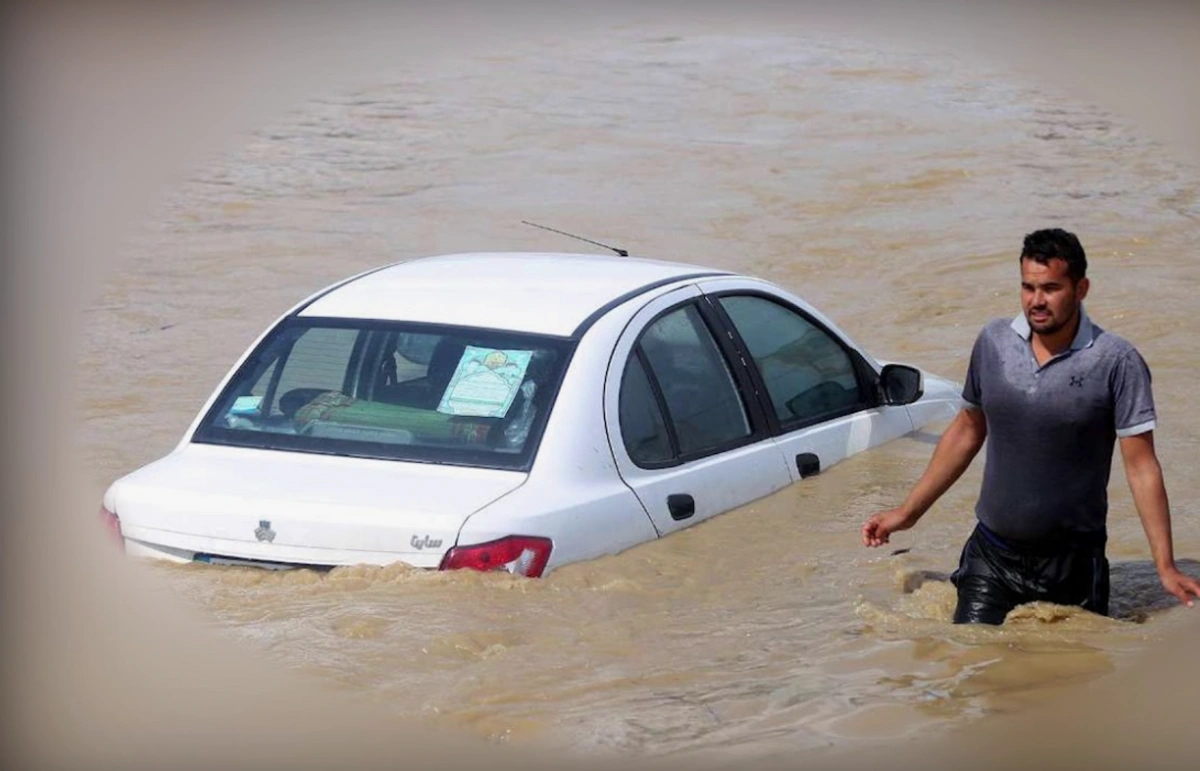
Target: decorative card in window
x=485 y=382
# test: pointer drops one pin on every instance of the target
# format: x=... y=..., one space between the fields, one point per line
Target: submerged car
x=513 y=412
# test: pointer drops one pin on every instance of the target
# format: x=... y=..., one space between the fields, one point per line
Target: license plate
x=216 y=559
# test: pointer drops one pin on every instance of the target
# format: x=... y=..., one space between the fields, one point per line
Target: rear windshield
x=392 y=390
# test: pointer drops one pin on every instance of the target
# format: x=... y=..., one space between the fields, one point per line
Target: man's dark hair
x=1056 y=244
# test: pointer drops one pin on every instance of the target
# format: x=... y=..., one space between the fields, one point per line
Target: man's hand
x=954 y=452
x=877 y=529
x=1180 y=584
x=1145 y=477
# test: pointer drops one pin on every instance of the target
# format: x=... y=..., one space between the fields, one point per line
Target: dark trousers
x=995 y=575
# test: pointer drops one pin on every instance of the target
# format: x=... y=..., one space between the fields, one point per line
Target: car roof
x=544 y=293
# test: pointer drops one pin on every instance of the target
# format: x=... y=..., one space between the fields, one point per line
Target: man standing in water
x=1052 y=393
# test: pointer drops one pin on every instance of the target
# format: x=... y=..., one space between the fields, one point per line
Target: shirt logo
x=1077 y=381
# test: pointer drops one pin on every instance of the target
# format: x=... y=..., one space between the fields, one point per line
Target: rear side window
x=389 y=390
x=642 y=423
x=807 y=373
x=318 y=360
x=698 y=402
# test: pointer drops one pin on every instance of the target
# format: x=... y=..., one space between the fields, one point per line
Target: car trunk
x=207 y=501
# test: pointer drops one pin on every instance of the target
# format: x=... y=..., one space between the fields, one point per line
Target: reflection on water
x=890 y=189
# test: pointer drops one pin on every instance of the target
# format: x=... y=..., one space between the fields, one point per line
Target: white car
x=513 y=412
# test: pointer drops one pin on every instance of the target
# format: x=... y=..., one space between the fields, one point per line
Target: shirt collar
x=1084 y=336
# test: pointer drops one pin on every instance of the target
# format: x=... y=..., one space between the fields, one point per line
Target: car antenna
x=621 y=252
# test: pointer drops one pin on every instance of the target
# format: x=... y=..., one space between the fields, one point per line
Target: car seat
x=426 y=392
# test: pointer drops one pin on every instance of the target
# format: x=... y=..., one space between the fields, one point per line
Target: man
x=1051 y=392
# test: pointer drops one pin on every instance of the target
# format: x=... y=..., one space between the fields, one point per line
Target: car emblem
x=264 y=532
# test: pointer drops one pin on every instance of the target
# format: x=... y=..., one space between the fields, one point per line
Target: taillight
x=112 y=524
x=517 y=554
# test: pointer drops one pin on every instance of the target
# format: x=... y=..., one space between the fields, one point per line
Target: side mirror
x=901 y=384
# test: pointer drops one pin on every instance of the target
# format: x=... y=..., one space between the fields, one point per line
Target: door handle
x=681 y=506
x=808 y=464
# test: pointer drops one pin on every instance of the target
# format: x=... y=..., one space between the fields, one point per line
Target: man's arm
x=954 y=452
x=1145 y=477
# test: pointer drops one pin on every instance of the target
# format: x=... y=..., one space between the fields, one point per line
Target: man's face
x=1048 y=295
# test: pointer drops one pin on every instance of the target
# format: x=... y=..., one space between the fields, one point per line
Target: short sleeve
x=1133 y=400
x=972 y=392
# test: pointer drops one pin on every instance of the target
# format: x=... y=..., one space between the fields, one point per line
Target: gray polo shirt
x=1052 y=428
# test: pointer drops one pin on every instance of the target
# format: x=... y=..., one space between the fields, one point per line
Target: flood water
x=890 y=188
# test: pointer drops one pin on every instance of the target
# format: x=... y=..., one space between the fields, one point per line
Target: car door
x=819 y=391
x=688 y=434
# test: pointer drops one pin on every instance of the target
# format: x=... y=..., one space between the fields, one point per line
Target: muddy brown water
x=888 y=187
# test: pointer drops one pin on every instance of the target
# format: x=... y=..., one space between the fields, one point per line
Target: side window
x=806 y=372
x=317 y=362
x=264 y=380
x=702 y=401
x=642 y=425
